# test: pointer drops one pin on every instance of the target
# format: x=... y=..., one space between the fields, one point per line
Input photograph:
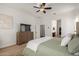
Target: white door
x=59 y=28
x=42 y=30
x=77 y=27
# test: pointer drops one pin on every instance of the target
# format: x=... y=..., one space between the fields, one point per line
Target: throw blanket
x=33 y=44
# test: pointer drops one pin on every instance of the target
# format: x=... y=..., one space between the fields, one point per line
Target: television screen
x=24 y=27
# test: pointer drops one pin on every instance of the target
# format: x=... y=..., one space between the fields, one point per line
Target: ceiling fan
x=42 y=7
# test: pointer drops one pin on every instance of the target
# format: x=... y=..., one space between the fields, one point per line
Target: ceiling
x=56 y=8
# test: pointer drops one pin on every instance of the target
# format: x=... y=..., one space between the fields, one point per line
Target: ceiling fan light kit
x=41 y=9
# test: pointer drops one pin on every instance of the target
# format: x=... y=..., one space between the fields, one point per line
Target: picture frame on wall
x=6 y=21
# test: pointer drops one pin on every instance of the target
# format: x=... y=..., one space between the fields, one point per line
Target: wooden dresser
x=24 y=37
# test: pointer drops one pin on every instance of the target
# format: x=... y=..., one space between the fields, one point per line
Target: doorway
x=42 y=30
x=58 y=28
x=77 y=27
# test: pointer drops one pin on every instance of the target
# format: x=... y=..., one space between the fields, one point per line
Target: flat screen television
x=25 y=27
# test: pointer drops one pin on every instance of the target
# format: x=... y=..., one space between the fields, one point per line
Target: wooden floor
x=15 y=50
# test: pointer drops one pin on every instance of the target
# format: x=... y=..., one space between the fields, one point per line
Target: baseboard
x=8 y=45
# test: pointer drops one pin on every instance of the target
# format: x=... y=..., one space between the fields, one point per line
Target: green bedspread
x=52 y=48
x=48 y=48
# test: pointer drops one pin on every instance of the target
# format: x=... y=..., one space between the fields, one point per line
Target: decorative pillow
x=73 y=45
x=76 y=54
x=66 y=40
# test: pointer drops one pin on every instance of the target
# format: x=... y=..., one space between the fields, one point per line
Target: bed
x=50 y=47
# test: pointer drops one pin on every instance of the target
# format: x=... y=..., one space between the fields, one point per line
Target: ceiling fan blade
x=35 y=7
x=48 y=8
x=37 y=10
x=44 y=12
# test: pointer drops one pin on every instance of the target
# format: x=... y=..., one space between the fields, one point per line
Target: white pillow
x=76 y=54
x=66 y=40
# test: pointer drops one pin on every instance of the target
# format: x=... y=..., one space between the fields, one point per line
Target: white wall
x=37 y=29
x=54 y=25
x=8 y=36
x=67 y=22
x=47 y=23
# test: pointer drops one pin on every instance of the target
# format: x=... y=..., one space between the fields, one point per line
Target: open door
x=77 y=27
x=58 y=28
x=42 y=30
